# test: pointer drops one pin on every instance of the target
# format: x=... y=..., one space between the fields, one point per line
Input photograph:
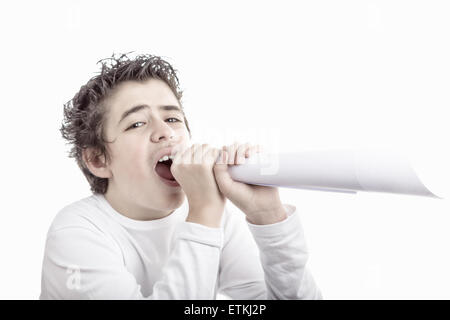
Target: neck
x=132 y=210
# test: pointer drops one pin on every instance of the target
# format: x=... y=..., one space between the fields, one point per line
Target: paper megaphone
x=332 y=170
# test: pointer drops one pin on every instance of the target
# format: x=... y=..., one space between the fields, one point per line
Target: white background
x=310 y=74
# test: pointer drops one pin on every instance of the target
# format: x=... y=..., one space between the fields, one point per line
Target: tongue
x=163 y=170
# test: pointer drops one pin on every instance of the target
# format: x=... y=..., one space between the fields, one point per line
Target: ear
x=96 y=163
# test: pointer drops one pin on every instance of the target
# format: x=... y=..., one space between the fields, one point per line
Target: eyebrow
x=145 y=106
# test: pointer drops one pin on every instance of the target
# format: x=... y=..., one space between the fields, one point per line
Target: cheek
x=184 y=134
x=131 y=161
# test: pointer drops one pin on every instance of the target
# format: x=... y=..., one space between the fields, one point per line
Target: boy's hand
x=192 y=168
x=261 y=204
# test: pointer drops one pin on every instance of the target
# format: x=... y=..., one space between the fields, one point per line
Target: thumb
x=221 y=174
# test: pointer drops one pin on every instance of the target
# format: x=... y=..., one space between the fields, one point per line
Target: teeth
x=165 y=158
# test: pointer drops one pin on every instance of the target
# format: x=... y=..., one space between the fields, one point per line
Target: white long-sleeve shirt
x=94 y=252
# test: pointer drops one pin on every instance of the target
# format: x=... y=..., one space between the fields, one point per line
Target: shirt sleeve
x=82 y=263
x=266 y=261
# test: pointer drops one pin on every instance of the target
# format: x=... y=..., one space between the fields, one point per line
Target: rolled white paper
x=332 y=170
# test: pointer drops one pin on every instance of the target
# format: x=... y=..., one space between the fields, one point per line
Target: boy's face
x=137 y=137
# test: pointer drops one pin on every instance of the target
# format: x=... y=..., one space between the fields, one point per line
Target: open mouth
x=163 y=170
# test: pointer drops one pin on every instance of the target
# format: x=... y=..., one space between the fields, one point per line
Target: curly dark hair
x=84 y=114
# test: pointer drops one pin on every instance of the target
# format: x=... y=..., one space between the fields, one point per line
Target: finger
x=231 y=150
x=210 y=154
x=197 y=153
x=179 y=152
x=221 y=174
x=186 y=157
x=240 y=153
x=217 y=155
x=222 y=157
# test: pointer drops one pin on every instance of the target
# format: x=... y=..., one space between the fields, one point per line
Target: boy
x=136 y=237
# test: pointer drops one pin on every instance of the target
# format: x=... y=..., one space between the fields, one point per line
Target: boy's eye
x=135 y=125
x=140 y=123
x=176 y=120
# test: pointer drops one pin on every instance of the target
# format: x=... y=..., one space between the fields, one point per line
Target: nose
x=162 y=131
